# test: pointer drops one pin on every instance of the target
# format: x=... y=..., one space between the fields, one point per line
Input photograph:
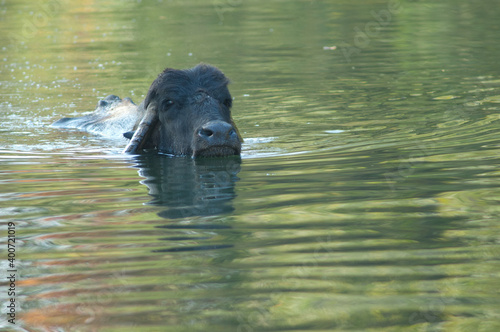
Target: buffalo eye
x=167 y=104
x=228 y=102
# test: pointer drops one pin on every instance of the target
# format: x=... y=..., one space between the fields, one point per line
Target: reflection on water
x=367 y=197
x=190 y=187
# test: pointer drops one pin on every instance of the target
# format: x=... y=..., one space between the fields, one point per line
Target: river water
x=366 y=199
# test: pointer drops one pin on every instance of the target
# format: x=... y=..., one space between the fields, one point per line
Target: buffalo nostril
x=206 y=132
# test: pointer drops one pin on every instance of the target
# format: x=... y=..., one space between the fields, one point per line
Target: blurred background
x=366 y=198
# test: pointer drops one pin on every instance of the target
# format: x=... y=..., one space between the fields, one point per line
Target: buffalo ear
x=144 y=130
x=128 y=134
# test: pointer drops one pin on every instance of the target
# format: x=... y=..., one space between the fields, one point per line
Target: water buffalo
x=185 y=112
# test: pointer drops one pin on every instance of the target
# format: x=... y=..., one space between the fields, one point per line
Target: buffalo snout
x=216 y=138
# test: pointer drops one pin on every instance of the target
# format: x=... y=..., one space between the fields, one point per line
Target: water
x=366 y=199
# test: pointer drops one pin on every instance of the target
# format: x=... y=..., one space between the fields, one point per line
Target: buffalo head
x=188 y=112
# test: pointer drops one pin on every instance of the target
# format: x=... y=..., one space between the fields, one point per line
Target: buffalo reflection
x=190 y=187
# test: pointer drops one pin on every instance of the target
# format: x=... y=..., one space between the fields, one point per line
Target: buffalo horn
x=144 y=129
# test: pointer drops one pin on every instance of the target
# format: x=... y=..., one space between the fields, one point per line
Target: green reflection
x=367 y=197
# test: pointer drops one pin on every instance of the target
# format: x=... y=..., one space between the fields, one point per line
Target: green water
x=366 y=199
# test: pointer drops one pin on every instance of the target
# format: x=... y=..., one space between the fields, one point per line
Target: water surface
x=366 y=199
